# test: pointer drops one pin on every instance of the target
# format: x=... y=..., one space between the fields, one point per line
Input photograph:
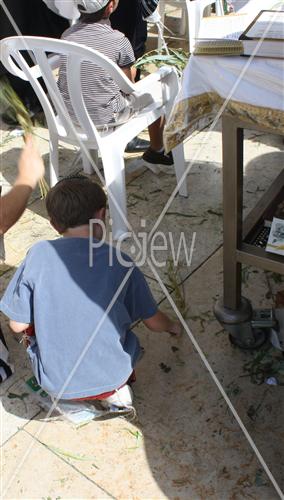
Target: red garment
x=105 y=395
x=30 y=331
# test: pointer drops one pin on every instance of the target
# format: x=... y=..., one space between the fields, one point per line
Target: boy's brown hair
x=74 y=201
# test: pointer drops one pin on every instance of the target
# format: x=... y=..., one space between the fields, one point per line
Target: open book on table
x=264 y=37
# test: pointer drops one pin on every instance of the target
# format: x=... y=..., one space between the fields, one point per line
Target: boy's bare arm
x=17 y=327
x=130 y=72
x=160 y=322
x=31 y=169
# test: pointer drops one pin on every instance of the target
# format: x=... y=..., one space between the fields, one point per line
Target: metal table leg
x=233 y=311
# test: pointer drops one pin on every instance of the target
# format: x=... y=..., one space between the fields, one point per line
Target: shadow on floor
x=190 y=446
x=193 y=447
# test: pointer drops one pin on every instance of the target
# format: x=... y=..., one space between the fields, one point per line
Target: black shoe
x=137 y=145
x=159 y=161
x=34 y=107
x=158 y=158
x=9 y=118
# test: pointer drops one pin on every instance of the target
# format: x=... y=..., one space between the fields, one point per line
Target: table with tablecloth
x=248 y=93
x=251 y=88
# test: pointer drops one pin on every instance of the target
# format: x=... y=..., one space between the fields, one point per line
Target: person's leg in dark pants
x=32 y=17
x=127 y=18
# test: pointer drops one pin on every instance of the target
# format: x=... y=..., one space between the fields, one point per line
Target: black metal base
x=238 y=324
x=231 y=316
x=260 y=337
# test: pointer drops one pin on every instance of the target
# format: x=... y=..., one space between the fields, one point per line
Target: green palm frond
x=176 y=57
x=10 y=100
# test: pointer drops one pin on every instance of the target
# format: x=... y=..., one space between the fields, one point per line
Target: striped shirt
x=102 y=95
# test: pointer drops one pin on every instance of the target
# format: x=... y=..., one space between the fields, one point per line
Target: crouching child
x=83 y=346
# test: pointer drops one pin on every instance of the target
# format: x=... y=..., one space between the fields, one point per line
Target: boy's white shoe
x=122 y=398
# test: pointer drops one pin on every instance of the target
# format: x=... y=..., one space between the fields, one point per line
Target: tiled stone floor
x=184 y=443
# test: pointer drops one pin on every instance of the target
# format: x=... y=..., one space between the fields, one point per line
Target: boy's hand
x=30 y=166
x=175 y=328
x=161 y=322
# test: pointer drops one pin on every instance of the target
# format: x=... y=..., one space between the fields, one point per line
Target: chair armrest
x=153 y=89
x=146 y=83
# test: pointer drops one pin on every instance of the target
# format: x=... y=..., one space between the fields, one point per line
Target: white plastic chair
x=195 y=10
x=155 y=94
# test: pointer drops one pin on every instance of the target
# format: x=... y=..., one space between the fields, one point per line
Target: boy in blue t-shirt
x=83 y=345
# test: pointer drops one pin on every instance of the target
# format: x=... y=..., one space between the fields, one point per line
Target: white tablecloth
x=250 y=88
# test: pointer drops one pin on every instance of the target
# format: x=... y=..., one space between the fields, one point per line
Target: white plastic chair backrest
x=39 y=47
x=195 y=10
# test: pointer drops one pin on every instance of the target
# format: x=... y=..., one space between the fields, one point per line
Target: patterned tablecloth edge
x=197 y=112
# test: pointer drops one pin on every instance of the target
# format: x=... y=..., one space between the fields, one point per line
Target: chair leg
x=53 y=160
x=182 y=24
x=114 y=173
x=219 y=8
x=179 y=162
x=88 y=166
x=162 y=14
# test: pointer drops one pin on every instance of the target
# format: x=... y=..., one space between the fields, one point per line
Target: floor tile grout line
x=170 y=288
x=19 y=429
x=68 y=463
x=201 y=264
x=189 y=275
